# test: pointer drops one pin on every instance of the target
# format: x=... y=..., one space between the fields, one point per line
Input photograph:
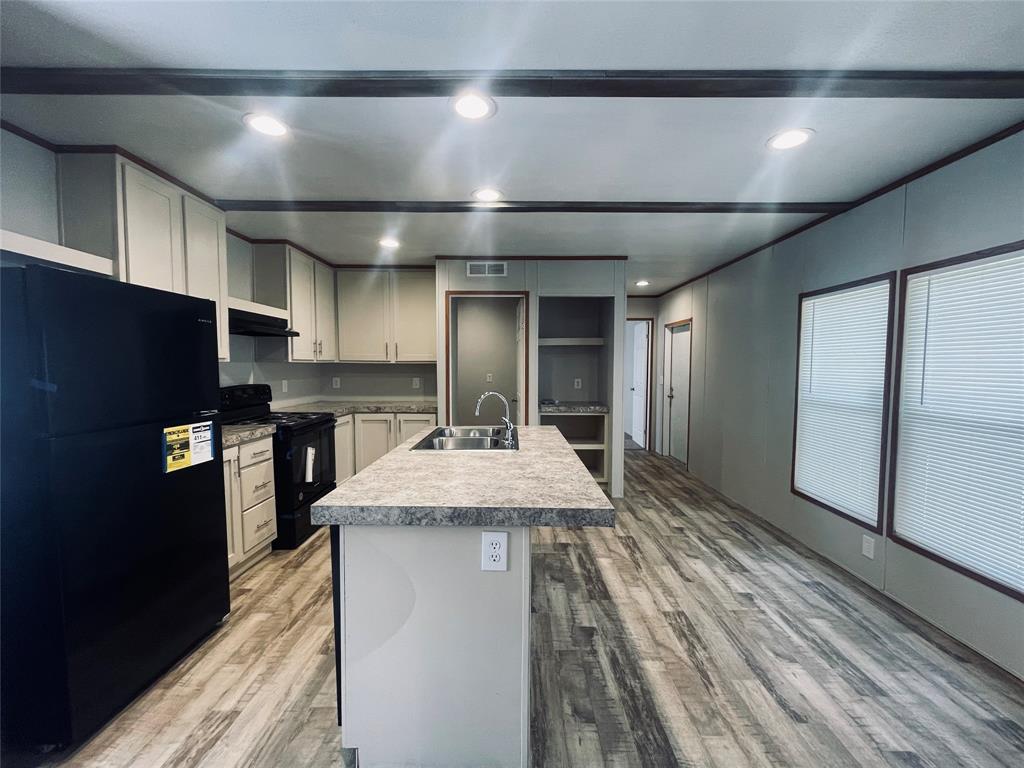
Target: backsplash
x=357 y=380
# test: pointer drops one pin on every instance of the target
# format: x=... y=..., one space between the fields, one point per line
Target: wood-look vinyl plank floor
x=690 y=635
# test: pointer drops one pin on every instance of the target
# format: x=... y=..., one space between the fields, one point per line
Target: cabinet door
x=364 y=317
x=411 y=423
x=344 y=449
x=152 y=220
x=326 y=318
x=301 y=301
x=232 y=505
x=414 y=321
x=206 y=264
x=375 y=436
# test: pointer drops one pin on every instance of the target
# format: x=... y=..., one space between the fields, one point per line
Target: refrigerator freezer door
x=115 y=354
x=143 y=561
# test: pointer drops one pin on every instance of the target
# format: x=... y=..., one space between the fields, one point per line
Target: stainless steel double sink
x=470 y=439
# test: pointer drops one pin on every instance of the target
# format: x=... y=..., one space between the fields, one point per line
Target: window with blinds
x=841 y=391
x=959 y=463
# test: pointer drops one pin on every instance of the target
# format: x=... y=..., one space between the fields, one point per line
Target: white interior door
x=677 y=391
x=519 y=404
x=638 y=411
x=628 y=374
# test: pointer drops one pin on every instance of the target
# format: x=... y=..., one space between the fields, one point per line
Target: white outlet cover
x=867 y=547
x=336 y=382
x=494 y=551
x=577 y=383
x=415 y=382
x=489 y=378
x=284 y=385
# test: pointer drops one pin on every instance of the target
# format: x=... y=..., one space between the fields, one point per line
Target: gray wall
x=28 y=188
x=239 y=268
x=306 y=380
x=744 y=367
x=485 y=343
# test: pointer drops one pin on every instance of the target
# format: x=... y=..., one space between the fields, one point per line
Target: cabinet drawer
x=257 y=450
x=257 y=483
x=259 y=525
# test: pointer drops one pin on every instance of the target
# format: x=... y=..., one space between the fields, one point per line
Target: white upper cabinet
x=364 y=315
x=326 y=317
x=302 y=305
x=206 y=261
x=153 y=253
x=386 y=315
x=414 y=328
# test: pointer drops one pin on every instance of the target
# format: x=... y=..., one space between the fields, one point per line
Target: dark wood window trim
x=448 y=295
x=891 y=534
x=889 y=277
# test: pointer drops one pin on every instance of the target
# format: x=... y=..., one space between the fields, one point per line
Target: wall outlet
x=489 y=378
x=336 y=382
x=415 y=382
x=577 y=383
x=494 y=551
x=284 y=385
x=867 y=547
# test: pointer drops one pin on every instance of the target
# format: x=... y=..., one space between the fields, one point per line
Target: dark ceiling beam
x=524 y=206
x=742 y=84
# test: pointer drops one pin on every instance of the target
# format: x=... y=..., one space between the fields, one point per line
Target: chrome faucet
x=505 y=419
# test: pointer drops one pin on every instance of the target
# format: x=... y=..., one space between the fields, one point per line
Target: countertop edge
x=453 y=517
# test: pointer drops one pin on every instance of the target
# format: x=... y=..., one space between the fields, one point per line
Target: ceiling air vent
x=486 y=269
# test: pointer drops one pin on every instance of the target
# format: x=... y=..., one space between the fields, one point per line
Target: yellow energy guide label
x=188 y=445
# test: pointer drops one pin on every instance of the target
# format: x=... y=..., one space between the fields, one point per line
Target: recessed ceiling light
x=474 y=105
x=487 y=195
x=642 y=283
x=791 y=138
x=388 y=242
x=271 y=126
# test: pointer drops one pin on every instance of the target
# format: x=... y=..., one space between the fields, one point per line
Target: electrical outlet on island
x=284 y=385
x=577 y=383
x=494 y=551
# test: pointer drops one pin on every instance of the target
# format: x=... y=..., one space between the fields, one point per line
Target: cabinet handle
x=262 y=485
x=396 y=351
x=264 y=524
x=260 y=453
x=387 y=351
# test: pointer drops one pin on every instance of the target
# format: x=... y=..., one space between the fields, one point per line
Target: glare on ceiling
x=791 y=138
x=388 y=242
x=267 y=124
x=474 y=105
x=487 y=195
x=642 y=283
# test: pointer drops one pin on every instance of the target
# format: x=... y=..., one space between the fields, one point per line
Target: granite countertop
x=574 y=406
x=231 y=434
x=542 y=484
x=347 y=407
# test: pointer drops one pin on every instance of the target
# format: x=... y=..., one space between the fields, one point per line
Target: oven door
x=311 y=464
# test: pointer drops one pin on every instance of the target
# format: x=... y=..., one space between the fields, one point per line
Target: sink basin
x=468 y=439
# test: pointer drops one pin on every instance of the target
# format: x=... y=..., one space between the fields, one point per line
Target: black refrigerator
x=113 y=551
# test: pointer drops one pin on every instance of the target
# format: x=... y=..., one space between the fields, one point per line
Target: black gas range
x=303 y=456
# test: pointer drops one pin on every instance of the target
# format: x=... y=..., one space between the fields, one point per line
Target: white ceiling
x=534 y=148
x=268 y=34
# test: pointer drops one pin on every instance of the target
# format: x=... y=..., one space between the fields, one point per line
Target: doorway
x=676 y=440
x=636 y=382
x=486 y=348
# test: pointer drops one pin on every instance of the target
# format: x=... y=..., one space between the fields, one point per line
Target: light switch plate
x=867 y=547
x=494 y=551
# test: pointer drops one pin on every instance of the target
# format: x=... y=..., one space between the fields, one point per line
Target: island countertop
x=542 y=484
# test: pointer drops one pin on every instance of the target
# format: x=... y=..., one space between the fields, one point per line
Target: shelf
x=571 y=341
x=35 y=248
x=587 y=445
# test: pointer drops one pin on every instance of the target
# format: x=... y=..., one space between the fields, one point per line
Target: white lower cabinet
x=344 y=449
x=250 y=510
x=375 y=436
x=377 y=433
x=411 y=423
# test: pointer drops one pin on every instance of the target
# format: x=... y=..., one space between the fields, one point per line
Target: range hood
x=243 y=323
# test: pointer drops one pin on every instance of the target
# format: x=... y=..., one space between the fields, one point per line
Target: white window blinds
x=959 y=490
x=841 y=398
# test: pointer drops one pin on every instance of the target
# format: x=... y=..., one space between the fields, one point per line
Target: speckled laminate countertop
x=243 y=433
x=574 y=406
x=543 y=484
x=346 y=407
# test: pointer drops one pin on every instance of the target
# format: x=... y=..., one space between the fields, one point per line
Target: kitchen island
x=433 y=653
